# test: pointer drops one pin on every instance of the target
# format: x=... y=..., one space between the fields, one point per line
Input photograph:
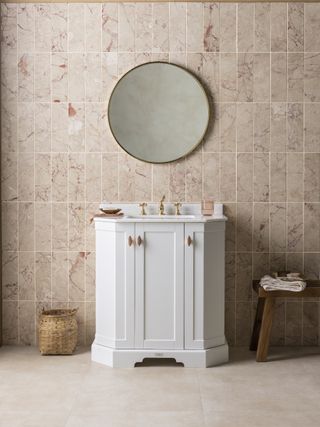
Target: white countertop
x=164 y=218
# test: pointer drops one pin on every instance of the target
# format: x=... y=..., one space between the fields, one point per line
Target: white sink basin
x=161 y=216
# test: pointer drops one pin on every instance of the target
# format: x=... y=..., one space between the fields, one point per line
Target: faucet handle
x=178 y=206
x=162 y=198
x=143 y=206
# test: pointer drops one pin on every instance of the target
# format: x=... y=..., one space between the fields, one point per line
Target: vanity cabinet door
x=115 y=286
x=204 y=285
x=159 y=286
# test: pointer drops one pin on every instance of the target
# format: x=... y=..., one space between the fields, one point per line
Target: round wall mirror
x=158 y=112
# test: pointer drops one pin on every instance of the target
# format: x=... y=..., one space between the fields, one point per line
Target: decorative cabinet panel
x=160 y=292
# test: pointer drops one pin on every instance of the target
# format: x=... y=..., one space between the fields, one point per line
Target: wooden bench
x=264 y=315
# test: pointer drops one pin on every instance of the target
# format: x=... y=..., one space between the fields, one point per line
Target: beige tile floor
x=71 y=391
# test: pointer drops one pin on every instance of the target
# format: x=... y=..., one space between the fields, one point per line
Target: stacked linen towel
x=294 y=284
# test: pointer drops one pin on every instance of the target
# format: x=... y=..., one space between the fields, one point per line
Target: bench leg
x=264 y=338
x=257 y=325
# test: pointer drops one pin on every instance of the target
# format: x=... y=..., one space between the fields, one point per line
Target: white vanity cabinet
x=160 y=291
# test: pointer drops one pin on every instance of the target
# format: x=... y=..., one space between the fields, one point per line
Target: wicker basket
x=58 y=331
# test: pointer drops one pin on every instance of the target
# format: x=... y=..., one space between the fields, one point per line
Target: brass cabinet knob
x=130 y=241
x=139 y=240
x=189 y=241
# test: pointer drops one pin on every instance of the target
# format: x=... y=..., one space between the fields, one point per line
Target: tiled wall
x=261 y=157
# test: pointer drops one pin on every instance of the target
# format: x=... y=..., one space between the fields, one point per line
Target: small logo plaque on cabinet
x=158 y=354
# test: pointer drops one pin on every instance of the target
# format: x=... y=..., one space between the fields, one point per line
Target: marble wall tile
x=143 y=27
x=60 y=276
x=230 y=209
x=42 y=226
x=295 y=261
x=293 y=323
x=228 y=27
x=278 y=326
x=109 y=64
x=262 y=27
x=245 y=77
x=195 y=36
x=26 y=22
x=25 y=129
x=43 y=28
x=312 y=36
x=109 y=27
x=76 y=77
x=126 y=27
x=9 y=73
x=59 y=27
x=27 y=333
x=90 y=239
x=9 y=224
x=312 y=177
x=59 y=76
x=93 y=24
x=295 y=232
x=244 y=227
x=76 y=27
x=294 y=177
x=9 y=275
x=93 y=80
x=160 y=27
x=9 y=127
x=76 y=276
x=312 y=128
x=261 y=120
x=261 y=77
x=25 y=176
x=177 y=181
x=25 y=77
x=76 y=235
x=261 y=264
x=295 y=127
x=228 y=77
x=142 y=180
x=261 y=227
x=295 y=76
x=312 y=227
x=43 y=276
x=90 y=278
x=211 y=18
x=230 y=322
x=194 y=176
x=311 y=265
x=310 y=323
x=277 y=177
x=244 y=127
x=177 y=40
x=227 y=177
x=77 y=127
x=278 y=127
x=277 y=262
x=211 y=176
x=59 y=131
x=295 y=27
x=278 y=227
x=244 y=276
x=230 y=271
x=312 y=77
x=261 y=177
x=59 y=226
x=90 y=323
x=42 y=177
x=9 y=176
x=243 y=322
x=76 y=176
x=245 y=177
x=26 y=226
x=59 y=177
x=227 y=126
x=278 y=76
x=9 y=27
x=245 y=31
x=42 y=127
x=93 y=177
x=278 y=20
x=161 y=181
x=10 y=322
x=42 y=77
x=26 y=276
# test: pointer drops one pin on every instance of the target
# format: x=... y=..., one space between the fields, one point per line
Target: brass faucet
x=161 y=206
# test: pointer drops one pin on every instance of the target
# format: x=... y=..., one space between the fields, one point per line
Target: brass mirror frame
x=209 y=109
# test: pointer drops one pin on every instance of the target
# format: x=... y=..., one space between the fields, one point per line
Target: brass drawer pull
x=139 y=240
x=189 y=241
x=130 y=241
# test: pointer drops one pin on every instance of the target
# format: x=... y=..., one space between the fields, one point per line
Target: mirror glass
x=158 y=112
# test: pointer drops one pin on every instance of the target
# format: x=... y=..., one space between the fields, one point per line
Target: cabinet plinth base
x=190 y=358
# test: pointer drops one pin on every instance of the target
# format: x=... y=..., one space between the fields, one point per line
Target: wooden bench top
x=312 y=291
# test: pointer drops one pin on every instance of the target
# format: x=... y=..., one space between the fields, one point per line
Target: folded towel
x=294 y=284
